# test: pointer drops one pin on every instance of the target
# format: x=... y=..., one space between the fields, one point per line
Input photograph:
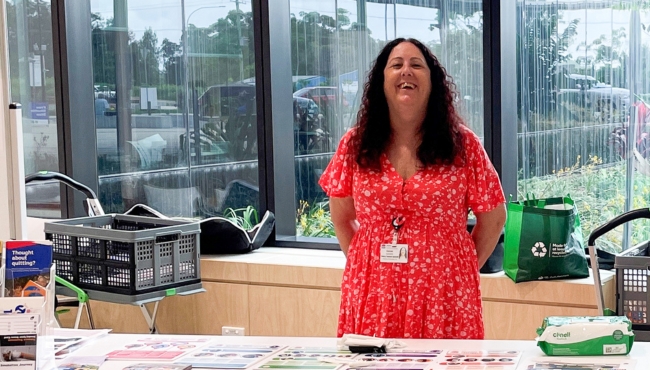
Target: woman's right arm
x=344 y=219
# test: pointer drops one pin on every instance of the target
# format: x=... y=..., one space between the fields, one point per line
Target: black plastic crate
x=632 y=282
x=126 y=254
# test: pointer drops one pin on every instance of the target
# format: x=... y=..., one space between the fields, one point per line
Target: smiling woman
x=401 y=185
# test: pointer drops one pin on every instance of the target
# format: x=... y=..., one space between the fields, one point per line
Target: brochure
x=18 y=351
x=27 y=269
x=67 y=341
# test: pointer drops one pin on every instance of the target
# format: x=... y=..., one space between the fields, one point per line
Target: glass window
x=31 y=72
x=175 y=105
x=333 y=44
x=583 y=77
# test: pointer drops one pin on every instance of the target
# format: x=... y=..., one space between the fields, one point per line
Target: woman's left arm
x=487 y=231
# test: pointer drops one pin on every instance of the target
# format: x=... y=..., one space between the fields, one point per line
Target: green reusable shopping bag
x=543 y=240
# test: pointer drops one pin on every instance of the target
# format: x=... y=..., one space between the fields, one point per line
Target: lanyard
x=397 y=224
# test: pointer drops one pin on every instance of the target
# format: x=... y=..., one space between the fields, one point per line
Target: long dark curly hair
x=441 y=138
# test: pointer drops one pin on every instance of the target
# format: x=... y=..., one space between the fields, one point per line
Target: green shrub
x=314 y=221
x=599 y=193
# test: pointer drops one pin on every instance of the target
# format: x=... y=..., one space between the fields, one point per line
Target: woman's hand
x=487 y=231
x=344 y=219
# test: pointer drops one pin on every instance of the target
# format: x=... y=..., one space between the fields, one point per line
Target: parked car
x=231 y=99
x=104 y=90
x=311 y=134
x=321 y=95
x=586 y=91
x=305 y=106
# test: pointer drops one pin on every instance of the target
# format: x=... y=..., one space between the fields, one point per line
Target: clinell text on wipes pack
x=585 y=335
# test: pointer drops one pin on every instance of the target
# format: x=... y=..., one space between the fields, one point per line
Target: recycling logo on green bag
x=539 y=250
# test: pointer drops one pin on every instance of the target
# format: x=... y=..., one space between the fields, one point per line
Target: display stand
x=138 y=300
x=45 y=340
x=18 y=231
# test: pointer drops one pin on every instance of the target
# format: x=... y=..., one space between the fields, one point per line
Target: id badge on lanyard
x=395 y=252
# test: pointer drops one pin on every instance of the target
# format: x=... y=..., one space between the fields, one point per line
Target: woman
x=406 y=176
x=402 y=254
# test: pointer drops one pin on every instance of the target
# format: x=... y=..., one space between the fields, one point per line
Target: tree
x=464 y=64
x=541 y=49
x=171 y=53
x=145 y=54
x=28 y=39
x=313 y=44
x=216 y=53
x=610 y=53
x=102 y=51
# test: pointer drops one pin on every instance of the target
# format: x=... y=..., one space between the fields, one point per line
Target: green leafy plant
x=314 y=221
x=246 y=218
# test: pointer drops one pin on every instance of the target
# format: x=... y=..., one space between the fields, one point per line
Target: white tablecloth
x=103 y=345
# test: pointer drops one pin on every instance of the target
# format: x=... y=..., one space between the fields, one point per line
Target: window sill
x=297 y=267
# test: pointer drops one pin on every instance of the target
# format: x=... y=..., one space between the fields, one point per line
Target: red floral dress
x=436 y=294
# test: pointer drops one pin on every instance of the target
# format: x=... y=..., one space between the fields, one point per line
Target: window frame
x=272 y=45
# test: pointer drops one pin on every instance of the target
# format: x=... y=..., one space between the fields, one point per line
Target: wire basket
x=126 y=254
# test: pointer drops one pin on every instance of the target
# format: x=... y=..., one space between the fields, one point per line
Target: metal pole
x=239 y=40
x=629 y=170
x=41 y=54
x=122 y=83
x=197 y=128
x=362 y=61
x=394 y=19
x=186 y=85
x=634 y=75
x=386 y=21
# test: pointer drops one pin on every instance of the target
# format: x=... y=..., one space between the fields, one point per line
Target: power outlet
x=232 y=330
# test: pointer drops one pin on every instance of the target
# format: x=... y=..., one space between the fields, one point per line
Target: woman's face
x=407 y=78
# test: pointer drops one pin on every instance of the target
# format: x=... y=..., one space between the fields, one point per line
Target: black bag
x=222 y=236
x=494 y=263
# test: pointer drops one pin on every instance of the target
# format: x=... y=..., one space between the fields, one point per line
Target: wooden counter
x=295 y=292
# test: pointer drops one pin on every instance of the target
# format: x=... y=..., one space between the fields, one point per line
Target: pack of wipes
x=585 y=335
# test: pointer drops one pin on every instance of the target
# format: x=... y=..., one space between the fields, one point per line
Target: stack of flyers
x=20 y=323
x=157 y=348
x=397 y=360
x=307 y=358
x=67 y=341
x=479 y=359
x=228 y=356
x=160 y=366
x=581 y=363
x=18 y=351
x=83 y=363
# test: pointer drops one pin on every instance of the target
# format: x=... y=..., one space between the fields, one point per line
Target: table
x=640 y=351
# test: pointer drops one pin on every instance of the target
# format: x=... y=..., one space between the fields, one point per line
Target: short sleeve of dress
x=337 y=178
x=485 y=191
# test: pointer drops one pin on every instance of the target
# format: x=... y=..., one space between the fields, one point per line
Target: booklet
x=27 y=268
